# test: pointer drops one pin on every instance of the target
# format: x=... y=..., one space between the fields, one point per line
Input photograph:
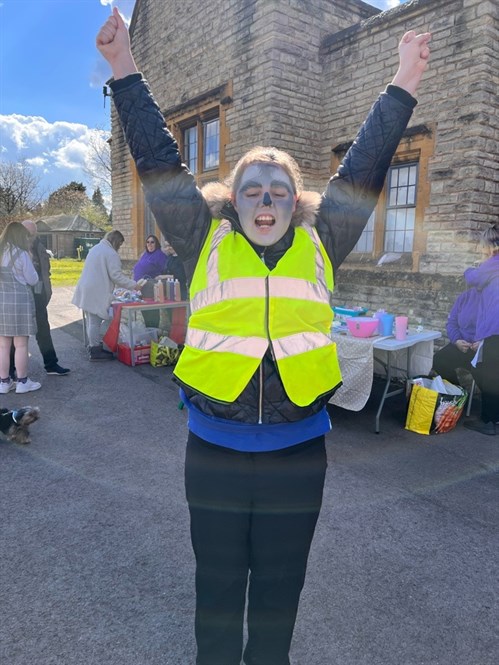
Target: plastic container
x=141 y=354
x=386 y=324
x=345 y=311
x=362 y=326
x=401 y=327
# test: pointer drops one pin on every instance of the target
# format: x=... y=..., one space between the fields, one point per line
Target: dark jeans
x=43 y=336
x=488 y=379
x=252 y=514
x=450 y=358
x=486 y=373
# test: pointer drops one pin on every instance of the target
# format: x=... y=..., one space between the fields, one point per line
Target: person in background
x=94 y=292
x=151 y=266
x=258 y=366
x=17 y=308
x=152 y=262
x=485 y=279
x=461 y=330
x=42 y=292
x=175 y=267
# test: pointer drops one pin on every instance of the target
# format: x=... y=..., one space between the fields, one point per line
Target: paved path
x=95 y=560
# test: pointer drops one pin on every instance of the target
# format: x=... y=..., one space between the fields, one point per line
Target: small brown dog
x=15 y=424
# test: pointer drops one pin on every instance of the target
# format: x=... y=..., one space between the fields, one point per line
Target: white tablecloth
x=360 y=360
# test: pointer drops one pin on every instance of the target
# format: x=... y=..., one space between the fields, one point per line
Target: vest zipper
x=260 y=395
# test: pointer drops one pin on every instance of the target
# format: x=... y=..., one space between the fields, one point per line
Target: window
x=399 y=212
x=401 y=208
x=396 y=224
x=201 y=145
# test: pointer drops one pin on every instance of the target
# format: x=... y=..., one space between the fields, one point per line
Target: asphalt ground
x=96 y=566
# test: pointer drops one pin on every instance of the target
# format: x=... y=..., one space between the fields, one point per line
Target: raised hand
x=113 y=42
x=414 y=54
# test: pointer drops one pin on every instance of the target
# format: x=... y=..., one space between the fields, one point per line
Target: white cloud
x=36 y=161
x=57 y=151
x=386 y=4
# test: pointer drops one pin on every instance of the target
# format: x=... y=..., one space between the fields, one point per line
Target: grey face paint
x=265 y=202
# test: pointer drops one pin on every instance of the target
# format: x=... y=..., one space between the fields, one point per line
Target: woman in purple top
x=153 y=261
x=152 y=264
x=461 y=326
x=485 y=279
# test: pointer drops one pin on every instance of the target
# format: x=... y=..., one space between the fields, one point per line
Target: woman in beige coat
x=94 y=292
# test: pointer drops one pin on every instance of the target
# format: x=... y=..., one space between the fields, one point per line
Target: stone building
x=62 y=234
x=301 y=75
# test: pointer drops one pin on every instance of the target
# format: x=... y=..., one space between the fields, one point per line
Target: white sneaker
x=6 y=387
x=28 y=386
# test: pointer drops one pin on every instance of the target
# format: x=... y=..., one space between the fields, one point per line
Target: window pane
x=191 y=148
x=401 y=208
x=366 y=241
x=391 y=217
x=211 y=142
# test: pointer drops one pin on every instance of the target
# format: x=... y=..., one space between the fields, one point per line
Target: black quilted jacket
x=184 y=216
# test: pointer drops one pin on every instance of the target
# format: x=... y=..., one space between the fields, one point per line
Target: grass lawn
x=65 y=272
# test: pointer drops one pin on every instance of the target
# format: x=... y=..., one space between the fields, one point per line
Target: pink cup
x=401 y=327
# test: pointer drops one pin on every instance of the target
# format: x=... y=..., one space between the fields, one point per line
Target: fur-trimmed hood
x=217 y=196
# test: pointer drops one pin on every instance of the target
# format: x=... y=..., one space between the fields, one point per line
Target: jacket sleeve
x=170 y=189
x=116 y=274
x=353 y=191
x=453 y=329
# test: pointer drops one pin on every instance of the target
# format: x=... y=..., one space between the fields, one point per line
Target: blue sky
x=51 y=79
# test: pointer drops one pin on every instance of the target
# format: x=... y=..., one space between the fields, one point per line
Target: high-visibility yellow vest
x=239 y=308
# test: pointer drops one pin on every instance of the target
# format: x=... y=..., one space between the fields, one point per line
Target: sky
x=51 y=79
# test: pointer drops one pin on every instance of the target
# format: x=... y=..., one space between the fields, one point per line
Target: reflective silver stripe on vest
x=293 y=345
x=224 y=228
x=254 y=287
x=253 y=347
x=320 y=267
x=230 y=289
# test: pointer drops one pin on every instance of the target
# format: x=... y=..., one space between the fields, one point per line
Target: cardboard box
x=141 y=354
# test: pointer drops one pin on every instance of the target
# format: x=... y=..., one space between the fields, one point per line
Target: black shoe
x=98 y=353
x=57 y=370
x=484 y=428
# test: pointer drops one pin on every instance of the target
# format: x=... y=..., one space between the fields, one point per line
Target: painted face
x=265 y=203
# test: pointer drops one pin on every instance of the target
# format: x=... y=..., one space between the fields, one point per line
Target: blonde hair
x=262 y=155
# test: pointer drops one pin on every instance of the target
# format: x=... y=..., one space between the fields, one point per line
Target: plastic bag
x=435 y=405
x=165 y=352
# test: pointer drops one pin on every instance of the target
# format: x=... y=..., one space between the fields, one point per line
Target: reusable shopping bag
x=435 y=405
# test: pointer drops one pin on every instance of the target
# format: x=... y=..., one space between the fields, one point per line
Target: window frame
x=416 y=146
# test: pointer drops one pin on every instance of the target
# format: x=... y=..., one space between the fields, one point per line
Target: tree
x=19 y=190
x=67 y=200
x=98 y=164
x=98 y=201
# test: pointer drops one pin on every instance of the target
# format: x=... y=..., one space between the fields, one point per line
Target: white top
x=22 y=268
x=101 y=273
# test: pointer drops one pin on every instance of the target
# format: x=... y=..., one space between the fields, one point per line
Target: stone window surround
x=417 y=145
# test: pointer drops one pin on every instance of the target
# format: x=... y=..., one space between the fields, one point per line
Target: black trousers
x=488 y=379
x=253 y=517
x=449 y=359
x=43 y=336
x=486 y=373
